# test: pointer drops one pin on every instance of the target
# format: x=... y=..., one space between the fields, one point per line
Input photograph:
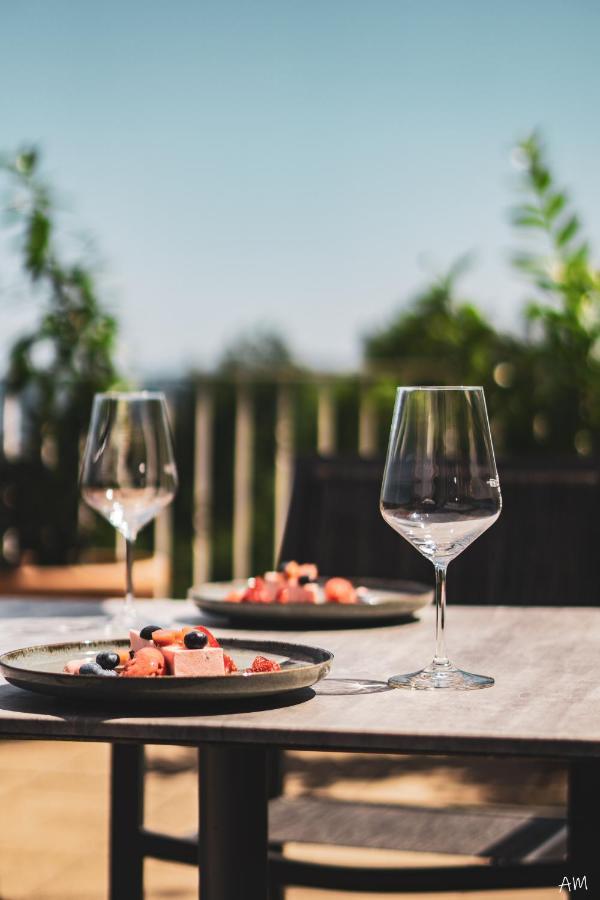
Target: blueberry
x=91 y=668
x=195 y=640
x=107 y=673
x=108 y=660
x=304 y=579
x=148 y=630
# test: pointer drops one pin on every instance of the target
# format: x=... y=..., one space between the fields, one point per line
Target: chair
x=541 y=551
x=528 y=557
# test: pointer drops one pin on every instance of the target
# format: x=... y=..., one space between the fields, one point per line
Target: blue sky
x=301 y=165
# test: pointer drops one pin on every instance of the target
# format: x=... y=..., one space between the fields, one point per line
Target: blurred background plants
x=56 y=368
x=542 y=386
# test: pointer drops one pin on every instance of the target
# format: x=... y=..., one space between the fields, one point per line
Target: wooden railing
x=247 y=420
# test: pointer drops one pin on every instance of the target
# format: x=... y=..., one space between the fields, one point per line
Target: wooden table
x=545 y=704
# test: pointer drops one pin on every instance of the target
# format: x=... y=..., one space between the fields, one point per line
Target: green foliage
x=261 y=351
x=58 y=367
x=544 y=390
x=439 y=337
x=69 y=356
x=563 y=313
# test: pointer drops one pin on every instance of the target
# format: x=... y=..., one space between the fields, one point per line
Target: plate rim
x=192 y=679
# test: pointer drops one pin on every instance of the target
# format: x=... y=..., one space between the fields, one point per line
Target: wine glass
x=440 y=491
x=128 y=473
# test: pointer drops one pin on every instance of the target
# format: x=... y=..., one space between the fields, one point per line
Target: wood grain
x=545 y=703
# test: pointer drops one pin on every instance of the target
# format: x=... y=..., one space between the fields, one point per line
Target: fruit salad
x=296 y=583
x=155 y=652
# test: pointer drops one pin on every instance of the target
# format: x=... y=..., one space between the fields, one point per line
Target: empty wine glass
x=128 y=473
x=440 y=492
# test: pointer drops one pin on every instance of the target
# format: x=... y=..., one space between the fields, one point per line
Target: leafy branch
x=564 y=273
x=69 y=356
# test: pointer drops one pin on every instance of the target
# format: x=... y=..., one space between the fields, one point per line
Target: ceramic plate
x=40 y=668
x=385 y=600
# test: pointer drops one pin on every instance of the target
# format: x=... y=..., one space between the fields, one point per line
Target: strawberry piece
x=230 y=666
x=262 y=664
x=339 y=590
x=292 y=570
x=166 y=636
x=282 y=595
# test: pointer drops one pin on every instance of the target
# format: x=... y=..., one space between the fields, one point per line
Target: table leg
x=233 y=822
x=583 y=829
x=126 y=820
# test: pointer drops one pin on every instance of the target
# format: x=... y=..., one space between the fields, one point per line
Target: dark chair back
x=541 y=551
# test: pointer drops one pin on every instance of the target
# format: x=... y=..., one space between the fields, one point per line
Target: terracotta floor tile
x=56 y=795
x=24 y=874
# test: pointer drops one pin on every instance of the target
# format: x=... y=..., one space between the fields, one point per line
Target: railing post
x=163 y=534
x=326 y=436
x=203 y=451
x=12 y=426
x=284 y=461
x=367 y=423
x=242 y=481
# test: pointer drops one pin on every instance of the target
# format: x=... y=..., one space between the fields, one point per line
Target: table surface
x=545 y=703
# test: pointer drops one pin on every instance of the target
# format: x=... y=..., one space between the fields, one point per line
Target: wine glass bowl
x=440 y=492
x=128 y=474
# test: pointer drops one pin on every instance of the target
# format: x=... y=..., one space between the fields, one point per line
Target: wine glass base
x=122 y=616
x=436 y=677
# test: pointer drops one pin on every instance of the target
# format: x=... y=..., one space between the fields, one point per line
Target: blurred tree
x=544 y=390
x=57 y=368
x=259 y=351
x=443 y=339
x=438 y=335
x=564 y=313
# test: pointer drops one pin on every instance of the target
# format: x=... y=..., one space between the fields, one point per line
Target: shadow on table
x=13 y=699
x=342 y=687
x=49 y=608
x=213 y=620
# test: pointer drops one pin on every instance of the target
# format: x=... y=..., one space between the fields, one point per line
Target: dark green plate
x=40 y=668
x=385 y=601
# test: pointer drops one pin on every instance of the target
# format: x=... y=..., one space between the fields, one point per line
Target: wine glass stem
x=129 y=578
x=440 y=658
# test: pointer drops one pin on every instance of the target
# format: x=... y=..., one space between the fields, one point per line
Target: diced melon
x=303 y=593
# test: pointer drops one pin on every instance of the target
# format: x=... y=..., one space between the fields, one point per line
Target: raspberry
x=262 y=664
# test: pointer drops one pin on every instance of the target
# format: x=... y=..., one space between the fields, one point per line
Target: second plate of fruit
x=298 y=594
